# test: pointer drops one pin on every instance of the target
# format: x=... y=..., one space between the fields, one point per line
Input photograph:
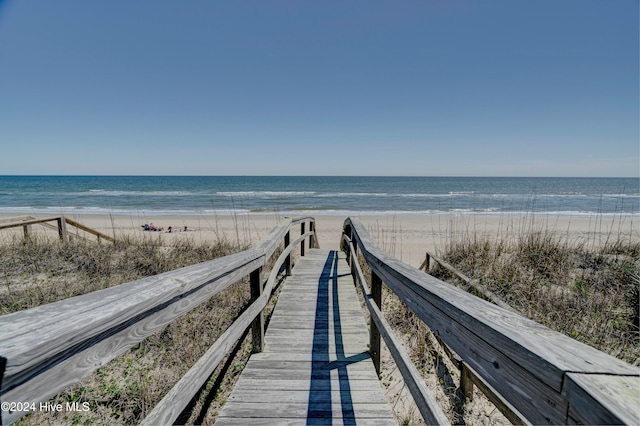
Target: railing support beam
x=26 y=229
x=62 y=228
x=287 y=262
x=257 y=327
x=302 y=243
x=466 y=383
x=374 y=336
x=353 y=259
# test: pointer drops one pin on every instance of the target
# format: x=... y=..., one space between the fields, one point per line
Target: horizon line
x=329 y=175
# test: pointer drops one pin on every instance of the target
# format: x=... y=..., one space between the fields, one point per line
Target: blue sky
x=448 y=88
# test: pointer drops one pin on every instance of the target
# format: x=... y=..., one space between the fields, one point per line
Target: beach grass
x=44 y=270
x=584 y=285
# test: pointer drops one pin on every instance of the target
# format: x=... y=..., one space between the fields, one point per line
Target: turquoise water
x=194 y=195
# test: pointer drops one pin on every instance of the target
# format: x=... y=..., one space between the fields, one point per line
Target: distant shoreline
x=332 y=176
x=71 y=211
x=319 y=196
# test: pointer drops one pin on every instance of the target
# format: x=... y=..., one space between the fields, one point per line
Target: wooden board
x=525 y=362
x=45 y=349
x=603 y=399
x=315 y=368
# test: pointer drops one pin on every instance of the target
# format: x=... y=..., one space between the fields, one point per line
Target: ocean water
x=202 y=195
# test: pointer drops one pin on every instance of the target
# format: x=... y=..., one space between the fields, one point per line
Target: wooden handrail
x=27 y=221
x=31 y=221
x=170 y=407
x=546 y=376
x=427 y=405
x=47 y=348
x=87 y=229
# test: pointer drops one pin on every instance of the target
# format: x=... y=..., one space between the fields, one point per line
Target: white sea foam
x=294 y=212
x=265 y=193
x=111 y=193
x=362 y=196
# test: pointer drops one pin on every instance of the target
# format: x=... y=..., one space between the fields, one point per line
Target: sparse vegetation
x=43 y=270
x=125 y=390
x=587 y=289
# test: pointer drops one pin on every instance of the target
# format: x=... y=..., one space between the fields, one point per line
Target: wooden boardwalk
x=316 y=367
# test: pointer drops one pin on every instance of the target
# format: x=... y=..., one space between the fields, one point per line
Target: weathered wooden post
x=635 y=321
x=374 y=336
x=312 y=228
x=62 y=228
x=257 y=327
x=287 y=262
x=26 y=229
x=344 y=245
x=427 y=262
x=355 y=246
x=353 y=259
x=466 y=384
x=352 y=267
x=302 y=243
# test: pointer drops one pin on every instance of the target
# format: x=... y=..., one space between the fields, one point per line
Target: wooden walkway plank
x=357 y=396
x=315 y=367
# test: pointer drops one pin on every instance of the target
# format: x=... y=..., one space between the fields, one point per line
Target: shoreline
x=490 y=212
x=406 y=237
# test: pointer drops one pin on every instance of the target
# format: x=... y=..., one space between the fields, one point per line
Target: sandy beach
x=406 y=237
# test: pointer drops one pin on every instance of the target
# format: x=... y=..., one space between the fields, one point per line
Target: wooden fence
x=536 y=375
x=45 y=349
x=61 y=226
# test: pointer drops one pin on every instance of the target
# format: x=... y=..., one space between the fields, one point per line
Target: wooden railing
x=61 y=226
x=533 y=374
x=537 y=375
x=45 y=349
